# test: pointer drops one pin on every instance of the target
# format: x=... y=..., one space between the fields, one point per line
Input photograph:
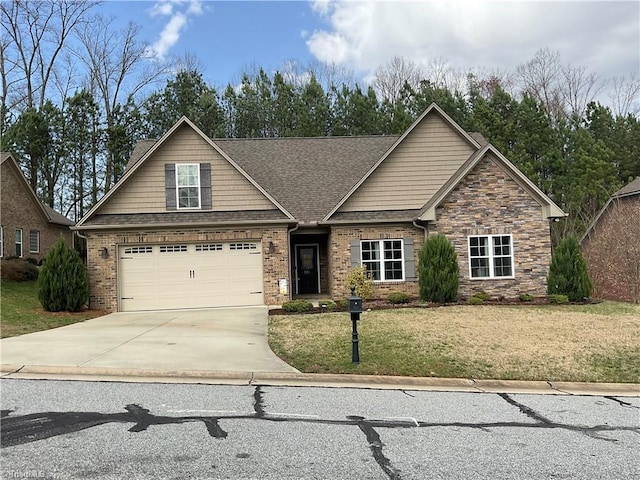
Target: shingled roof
x=629 y=189
x=308 y=176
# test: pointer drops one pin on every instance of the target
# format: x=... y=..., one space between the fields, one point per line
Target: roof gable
x=47 y=213
x=549 y=208
x=433 y=147
x=132 y=183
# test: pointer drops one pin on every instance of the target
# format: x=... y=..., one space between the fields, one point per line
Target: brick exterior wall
x=612 y=251
x=103 y=282
x=19 y=211
x=488 y=201
x=340 y=256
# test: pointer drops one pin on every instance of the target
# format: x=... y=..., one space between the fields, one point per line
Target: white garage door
x=203 y=275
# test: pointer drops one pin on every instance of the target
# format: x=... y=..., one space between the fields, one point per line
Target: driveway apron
x=222 y=339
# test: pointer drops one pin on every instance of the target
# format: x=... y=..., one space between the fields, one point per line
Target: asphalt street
x=72 y=429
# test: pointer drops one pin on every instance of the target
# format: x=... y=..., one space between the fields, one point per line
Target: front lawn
x=22 y=313
x=581 y=343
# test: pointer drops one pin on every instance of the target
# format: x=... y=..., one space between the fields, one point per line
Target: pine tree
x=438 y=270
x=63 y=281
x=568 y=272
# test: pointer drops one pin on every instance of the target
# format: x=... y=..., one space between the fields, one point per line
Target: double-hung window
x=491 y=256
x=188 y=185
x=383 y=259
x=19 y=242
x=34 y=241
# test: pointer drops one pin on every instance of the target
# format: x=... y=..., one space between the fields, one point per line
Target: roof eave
x=147 y=226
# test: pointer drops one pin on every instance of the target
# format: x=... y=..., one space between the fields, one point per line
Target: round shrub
x=568 y=272
x=475 y=300
x=438 y=270
x=359 y=277
x=298 y=306
x=398 y=298
x=63 y=282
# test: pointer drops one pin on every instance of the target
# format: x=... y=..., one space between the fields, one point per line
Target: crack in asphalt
x=22 y=429
x=622 y=402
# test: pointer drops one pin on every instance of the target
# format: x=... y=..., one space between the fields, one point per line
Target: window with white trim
x=188 y=185
x=34 y=241
x=19 y=242
x=383 y=259
x=490 y=256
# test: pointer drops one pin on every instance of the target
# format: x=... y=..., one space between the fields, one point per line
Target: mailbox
x=355 y=303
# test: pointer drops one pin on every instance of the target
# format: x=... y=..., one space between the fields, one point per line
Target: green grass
x=598 y=343
x=22 y=313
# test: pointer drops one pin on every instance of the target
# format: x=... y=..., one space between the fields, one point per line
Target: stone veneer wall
x=340 y=256
x=488 y=201
x=103 y=281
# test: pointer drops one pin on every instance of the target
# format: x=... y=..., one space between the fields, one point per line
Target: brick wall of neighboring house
x=612 y=251
x=103 y=272
x=486 y=202
x=340 y=256
x=19 y=211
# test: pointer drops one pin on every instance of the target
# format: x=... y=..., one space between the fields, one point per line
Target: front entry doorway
x=307 y=269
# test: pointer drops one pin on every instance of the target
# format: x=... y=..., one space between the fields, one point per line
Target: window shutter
x=170 y=185
x=355 y=253
x=409 y=262
x=205 y=186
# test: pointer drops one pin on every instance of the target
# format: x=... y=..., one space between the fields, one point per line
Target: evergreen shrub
x=17 y=270
x=298 y=306
x=398 y=297
x=568 y=272
x=63 y=281
x=438 y=270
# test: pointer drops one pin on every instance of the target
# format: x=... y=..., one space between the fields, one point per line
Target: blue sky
x=227 y=37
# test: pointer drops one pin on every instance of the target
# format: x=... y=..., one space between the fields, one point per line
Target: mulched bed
x=381 y=304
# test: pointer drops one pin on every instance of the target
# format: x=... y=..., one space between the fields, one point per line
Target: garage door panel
x=174 y=276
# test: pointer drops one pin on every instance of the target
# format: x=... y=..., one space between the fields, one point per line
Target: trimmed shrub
x=568 y=272
x=475 y=300
x=362 y=280
x=438 y=270
x=328 y=304
x=398 y=297
x=298 y=306
x=63 y=282
x=525 y=297
x=558 y=299
x=18 y=270
x=484 y=296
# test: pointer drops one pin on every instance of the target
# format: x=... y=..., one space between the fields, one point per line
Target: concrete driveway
x=224 y=339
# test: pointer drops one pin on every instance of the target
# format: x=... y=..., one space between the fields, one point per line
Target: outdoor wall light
x=104 y=252
x=272 y=248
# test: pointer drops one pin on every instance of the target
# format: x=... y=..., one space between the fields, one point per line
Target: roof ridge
x=326 y=137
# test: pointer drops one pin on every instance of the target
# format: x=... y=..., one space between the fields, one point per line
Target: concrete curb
x=46 y=372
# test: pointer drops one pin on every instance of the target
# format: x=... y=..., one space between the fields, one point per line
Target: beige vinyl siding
x=414 y=171
x=144 y=192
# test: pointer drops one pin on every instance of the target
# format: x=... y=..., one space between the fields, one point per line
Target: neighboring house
x=198 y=222
x=611 y=247
x=29 y=227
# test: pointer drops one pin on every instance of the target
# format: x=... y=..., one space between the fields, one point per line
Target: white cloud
x=179 y=12
x=603 y=36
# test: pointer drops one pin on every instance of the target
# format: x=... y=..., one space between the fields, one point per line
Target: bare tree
x=539 y=79
x=578 y=89
x=37 y=34
x=391 y=77
x=119 y=66
x=625 y=97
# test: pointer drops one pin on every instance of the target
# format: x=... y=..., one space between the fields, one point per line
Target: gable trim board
x=432 y=108
x=548 y=208
x=157 y=145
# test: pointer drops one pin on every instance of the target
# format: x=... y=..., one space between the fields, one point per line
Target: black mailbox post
x=355 y=309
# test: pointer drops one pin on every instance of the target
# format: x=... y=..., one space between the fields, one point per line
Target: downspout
x=425 y=229
x=289 y=232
